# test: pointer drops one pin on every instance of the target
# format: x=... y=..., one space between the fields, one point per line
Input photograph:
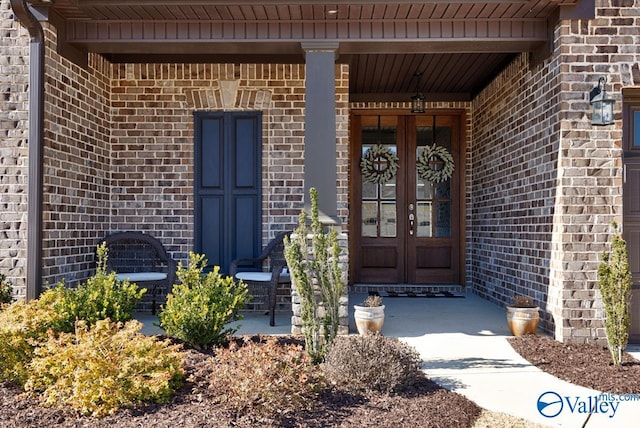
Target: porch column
x=320 y=127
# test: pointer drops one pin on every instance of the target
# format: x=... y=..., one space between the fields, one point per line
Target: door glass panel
x=430 y=192
x=388 y=220
x=443 y=190
x=370 y=219
x=389 y=189
x=379 y=168
x=443 y=220
x=369 y=190
x=423 y=220
x=423 y=189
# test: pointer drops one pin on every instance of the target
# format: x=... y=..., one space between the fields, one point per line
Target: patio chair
x=250 y=270
x=142 y=259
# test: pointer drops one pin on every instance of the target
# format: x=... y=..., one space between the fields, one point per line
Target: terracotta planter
x=369 y=319
x=523 y=321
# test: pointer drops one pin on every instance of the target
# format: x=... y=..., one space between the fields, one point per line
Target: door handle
x=411 y=222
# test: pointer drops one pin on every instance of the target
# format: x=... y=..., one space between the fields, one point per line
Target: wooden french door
x=406 y=198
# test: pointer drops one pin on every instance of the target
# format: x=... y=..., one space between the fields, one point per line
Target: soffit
x=459 y=45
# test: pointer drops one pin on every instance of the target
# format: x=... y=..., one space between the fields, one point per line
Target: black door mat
x=429 y=294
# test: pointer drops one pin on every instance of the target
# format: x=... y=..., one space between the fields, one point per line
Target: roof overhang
x=370 y=34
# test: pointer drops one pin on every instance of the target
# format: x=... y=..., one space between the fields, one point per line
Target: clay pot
x=523 y=321
x=369 y=319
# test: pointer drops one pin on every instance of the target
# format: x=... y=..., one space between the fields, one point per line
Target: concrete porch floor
x=404 y=317
x=462 y=342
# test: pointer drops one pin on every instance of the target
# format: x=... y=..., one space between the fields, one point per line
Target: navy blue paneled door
x=227 y=186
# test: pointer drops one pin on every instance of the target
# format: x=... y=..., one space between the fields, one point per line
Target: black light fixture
x=417 y=101
x=601 y=104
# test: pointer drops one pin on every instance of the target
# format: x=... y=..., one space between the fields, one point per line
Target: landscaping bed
x=585 y=365
x=424 y=404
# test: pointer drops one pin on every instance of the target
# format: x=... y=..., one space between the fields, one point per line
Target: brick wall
x=153 y=133
x=513 y=183
x=152 y=138
x=590 y=165
x=542 y=183
x=14 y=129
x=546 y=183
x=77 y=162
x=119 y=149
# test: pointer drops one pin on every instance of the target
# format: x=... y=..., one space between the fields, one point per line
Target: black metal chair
x=246 y=269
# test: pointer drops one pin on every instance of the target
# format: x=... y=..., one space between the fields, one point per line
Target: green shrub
x=371 y=363
x=22 y=327
x=267 y=379
x=316 y=273
x=6 y=290
x=198 y=308
x=100 y=369
x=614 y=281
x=102 y=296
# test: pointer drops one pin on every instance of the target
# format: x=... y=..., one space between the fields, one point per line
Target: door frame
x=355 y=191
x=630 y=214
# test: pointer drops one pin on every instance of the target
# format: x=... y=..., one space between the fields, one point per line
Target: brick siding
x=77 y=158
x=542 y=183
x=513 y=184
x=152 y=140
x=14 y=129
x=546 y=183
x=119 y=150
x=590 y=164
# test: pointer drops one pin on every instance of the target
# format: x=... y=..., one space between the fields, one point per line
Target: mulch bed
x=425 y=404
x=586 y=365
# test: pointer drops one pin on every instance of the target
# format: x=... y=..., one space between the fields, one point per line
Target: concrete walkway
x=463 y=343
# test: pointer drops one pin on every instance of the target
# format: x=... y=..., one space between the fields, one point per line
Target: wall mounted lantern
x=602 y=104
x=417 y=101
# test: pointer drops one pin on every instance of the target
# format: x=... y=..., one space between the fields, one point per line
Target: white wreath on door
x=426 y=172
x=368 y=168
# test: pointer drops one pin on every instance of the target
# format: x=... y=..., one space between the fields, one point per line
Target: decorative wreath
x=379 y=164
x=425 y=171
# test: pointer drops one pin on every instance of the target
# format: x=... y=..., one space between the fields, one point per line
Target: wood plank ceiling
x=457 y=45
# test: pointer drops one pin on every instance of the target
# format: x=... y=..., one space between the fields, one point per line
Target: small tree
x=318 y=280
x=614 y=281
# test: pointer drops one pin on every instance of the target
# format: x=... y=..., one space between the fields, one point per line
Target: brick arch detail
x=228 y=97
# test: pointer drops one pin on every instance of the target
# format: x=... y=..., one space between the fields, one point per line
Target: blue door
x=227 y=186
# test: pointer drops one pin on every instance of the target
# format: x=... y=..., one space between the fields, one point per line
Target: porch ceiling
x=458 y=45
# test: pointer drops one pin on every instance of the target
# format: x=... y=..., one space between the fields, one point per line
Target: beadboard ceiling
x=458 y=46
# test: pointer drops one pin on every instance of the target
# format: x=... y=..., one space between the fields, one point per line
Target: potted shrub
x=523 y=316
x=369 y=316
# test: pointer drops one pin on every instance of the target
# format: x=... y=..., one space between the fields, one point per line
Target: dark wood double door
x=405 y=203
